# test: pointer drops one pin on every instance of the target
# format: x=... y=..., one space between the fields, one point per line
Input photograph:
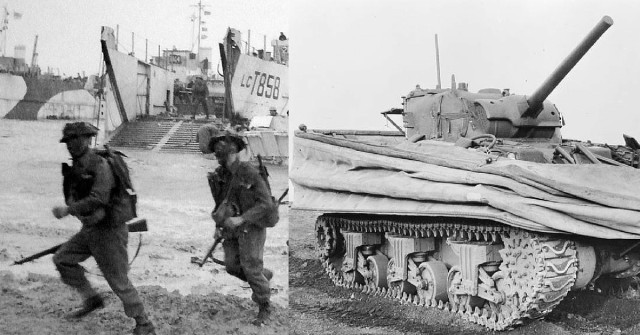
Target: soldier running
x=91 y=195
x=238 y=187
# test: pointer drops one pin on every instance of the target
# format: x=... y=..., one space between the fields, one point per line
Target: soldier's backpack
x=120 y=170
x=273 y=216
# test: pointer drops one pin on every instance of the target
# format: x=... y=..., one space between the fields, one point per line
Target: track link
x=536 y=273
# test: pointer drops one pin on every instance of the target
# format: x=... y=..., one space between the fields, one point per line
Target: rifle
x=200 y=262
x=284 y=194
x=209 y=253
x=134 y=225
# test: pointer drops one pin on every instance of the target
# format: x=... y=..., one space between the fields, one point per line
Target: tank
x=479 y=207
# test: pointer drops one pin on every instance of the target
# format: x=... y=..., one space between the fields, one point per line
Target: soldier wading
x=93 y=196
x=243 y=204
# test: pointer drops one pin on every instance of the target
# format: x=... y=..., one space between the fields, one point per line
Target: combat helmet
x=228 y=136
x=77 y=129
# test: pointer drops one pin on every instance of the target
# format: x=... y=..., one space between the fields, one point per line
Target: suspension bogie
x=422 y=266
x=478 y=262
x=492 y=274
x=464 y=268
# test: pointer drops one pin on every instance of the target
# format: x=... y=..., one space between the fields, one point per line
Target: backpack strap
x=263 y=172
x=120 y=171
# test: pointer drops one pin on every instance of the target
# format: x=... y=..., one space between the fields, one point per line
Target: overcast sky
x=69 y=30
x=351 y=60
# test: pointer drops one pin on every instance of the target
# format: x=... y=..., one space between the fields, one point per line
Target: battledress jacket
x=200 y=90
x=92 y=195
x=248 y=191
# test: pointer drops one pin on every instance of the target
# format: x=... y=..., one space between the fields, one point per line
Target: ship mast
x=200 y=9
x=34 y=56
x=193 y=22
x=438 y=63
x=199 y=27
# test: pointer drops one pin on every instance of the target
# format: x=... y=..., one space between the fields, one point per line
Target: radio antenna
x=438 y=63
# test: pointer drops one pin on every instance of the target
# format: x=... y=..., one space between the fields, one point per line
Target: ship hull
x=32 y=98
x=258 y=86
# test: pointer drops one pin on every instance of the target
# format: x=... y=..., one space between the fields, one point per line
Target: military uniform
x=200 y=93
x=104 y=234
x=244 y=245
x=92 y=195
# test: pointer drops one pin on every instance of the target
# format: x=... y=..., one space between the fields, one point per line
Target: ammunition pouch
x=66 y=181
x=225 y=210
x=214 y=185
x=75 y=185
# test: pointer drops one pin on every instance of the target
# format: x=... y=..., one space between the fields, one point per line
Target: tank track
x=537 y=270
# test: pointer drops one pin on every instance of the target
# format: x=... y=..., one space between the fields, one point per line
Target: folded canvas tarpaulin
x=432 y=178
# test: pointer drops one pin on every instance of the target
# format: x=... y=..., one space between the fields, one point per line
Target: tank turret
x=454 y=113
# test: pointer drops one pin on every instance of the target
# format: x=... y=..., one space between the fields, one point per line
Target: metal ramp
x=183 y=140
x=141 y=134
x=177 y=136
x=180 y=136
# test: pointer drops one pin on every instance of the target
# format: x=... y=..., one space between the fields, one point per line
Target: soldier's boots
x=264 y=314
x=144 y=329
x=89 y=305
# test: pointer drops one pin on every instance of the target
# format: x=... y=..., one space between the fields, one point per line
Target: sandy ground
x=180 y=297
x=321 y=308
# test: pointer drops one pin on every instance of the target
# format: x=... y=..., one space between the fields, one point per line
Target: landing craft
x=257 y=80
x=256 y=95
x=145 y=92
x=481 y=209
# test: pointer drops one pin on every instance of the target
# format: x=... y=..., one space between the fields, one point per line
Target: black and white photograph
x=465 y=167
x=413 y=167
x=145 y=167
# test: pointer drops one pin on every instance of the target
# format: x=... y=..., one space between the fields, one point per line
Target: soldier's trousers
x=108 y=246
x=243 y=259
x=201 y=101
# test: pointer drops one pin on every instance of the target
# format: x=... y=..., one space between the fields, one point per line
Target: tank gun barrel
x=537 y=98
